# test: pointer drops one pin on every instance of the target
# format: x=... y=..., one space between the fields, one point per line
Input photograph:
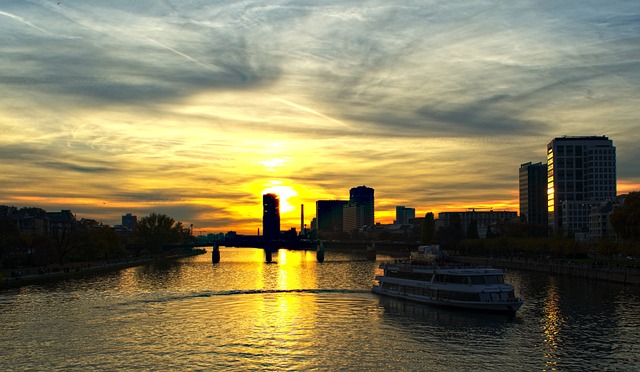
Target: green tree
x=625 y=219
x=428 y=228
x=158 y=230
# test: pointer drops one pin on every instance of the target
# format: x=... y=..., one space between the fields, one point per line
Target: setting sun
x=284 y=192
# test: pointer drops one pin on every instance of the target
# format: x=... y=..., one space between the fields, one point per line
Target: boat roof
x=449 y=270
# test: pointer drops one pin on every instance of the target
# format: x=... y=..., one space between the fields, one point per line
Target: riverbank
x=609 y=273
x=27 y=276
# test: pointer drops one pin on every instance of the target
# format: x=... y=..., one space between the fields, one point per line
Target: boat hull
x=508 y=307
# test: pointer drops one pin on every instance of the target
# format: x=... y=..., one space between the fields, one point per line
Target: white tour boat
x=475 y=288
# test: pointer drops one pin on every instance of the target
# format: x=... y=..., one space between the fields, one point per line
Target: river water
x=297 y=314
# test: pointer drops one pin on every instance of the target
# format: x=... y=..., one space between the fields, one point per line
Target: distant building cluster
x=38 y=222
x=574 y=191
x=338 y=216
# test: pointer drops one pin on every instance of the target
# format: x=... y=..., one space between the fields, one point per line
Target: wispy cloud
x=186 y=106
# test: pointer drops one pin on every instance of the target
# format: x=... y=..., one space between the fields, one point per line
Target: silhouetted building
x=533 y=193
x=31 y=221
x=483 y=219
x=129 y=221
x=61 y=223
x=329 y=215
x=360 y=211
x=270 y=216
x=581 y=173
x=404 y=215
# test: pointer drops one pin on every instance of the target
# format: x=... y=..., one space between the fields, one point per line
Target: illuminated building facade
x=581 y=173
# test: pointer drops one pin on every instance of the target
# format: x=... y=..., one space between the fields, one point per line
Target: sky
x=195 y=109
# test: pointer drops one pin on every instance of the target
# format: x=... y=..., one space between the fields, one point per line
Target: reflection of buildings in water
x=552 y=325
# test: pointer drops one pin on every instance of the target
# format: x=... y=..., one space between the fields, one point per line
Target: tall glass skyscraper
x=581 y=172
x=270 y=216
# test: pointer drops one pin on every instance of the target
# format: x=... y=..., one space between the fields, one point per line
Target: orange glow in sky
x=197 y=110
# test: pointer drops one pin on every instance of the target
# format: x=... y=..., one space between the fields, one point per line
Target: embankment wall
x=612 y=274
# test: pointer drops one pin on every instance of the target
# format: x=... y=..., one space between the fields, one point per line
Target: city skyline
x=196 y=110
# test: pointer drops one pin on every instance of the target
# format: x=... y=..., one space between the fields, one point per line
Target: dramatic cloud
x=194 y=108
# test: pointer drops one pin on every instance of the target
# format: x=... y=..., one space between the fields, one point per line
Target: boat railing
x=419 y=264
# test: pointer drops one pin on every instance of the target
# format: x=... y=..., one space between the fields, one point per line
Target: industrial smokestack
x=301 y=218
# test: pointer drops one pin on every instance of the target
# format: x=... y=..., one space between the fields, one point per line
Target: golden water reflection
x=280 y=324
x=296 y=270
x=552 y=325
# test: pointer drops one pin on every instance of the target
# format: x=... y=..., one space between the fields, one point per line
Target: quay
x=34 y=275
x=624 y=275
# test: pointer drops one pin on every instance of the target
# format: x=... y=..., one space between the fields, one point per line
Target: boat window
x=477 y=279
x=494 y=279
x=409 y=275
x=458 y=279
x=453 y=279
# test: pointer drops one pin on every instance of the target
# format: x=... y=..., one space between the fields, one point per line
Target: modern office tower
x=533 y=193
x=404 y=215
x=329 y=215
x=581 y=173
x=362 y=197
x=129 y=221
x=270 y=216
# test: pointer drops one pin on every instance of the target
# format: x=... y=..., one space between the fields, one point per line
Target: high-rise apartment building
x=404 y=215
x=360 y=210
x=533 y=193
x=270 y=216
x=581 y=173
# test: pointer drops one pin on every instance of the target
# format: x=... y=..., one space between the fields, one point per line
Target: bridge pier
x=320 y=251
x=215 y=254
x=268 y=255
x=371 y=251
